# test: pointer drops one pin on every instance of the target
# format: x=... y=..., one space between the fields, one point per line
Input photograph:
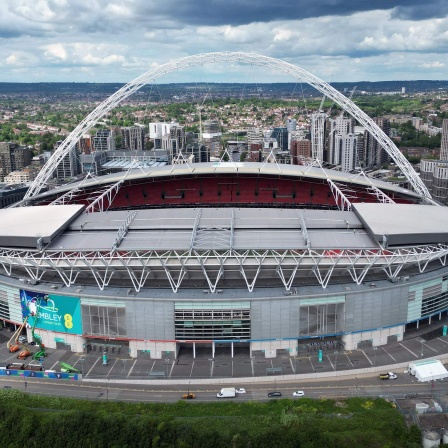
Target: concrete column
x=213 y=349
x=194 y=350
x=231 y=348
x=430 y=320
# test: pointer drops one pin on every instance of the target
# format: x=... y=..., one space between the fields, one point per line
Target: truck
x=387 y=376
x=226 y=392
x=15 y=366
x=34 y=367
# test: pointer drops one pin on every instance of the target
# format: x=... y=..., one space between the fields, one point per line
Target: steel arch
x=226 y=57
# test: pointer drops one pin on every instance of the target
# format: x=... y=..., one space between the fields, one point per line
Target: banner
x=52 y=312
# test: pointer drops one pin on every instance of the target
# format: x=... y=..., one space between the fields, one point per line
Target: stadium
x=254 y=257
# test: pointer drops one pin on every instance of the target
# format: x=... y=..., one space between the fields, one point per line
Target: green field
x=33 y=421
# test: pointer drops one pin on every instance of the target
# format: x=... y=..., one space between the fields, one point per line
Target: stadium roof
x=249 y=168
x=405 y=224
x=65 y=228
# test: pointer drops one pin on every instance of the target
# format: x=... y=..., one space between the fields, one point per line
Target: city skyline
x=107 y=41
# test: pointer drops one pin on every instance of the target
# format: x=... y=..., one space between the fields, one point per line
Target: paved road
x=349 y=387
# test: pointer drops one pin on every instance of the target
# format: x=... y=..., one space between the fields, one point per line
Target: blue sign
x=52 y=312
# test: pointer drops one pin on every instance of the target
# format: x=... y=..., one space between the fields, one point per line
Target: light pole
x=211 y=366
x=336 y=360
x=422 y=341
x=374 y=356
x=82 y=365
x=107 y=389
x=167 y=363
x=356 y=385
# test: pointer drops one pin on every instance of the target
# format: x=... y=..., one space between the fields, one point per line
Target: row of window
x=211 y=314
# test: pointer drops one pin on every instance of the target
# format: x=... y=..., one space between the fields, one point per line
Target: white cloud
x=435 y=64
x=59 y=34
x=55 y=51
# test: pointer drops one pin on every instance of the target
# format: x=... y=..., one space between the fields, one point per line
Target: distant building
x=434 y=174
x=169 y=137
x=133 y=138
x=444 y=143
x=104 y=140
x=318 y=121
x=200 y=152
x=254 y=136
x=92 y=163
x=374 y=154
x=291 y=124
x=345 y=151
x=10 y=194
x=281 y=135
x=13 y=158
x=24 y=176
x=70 y=165
x=338 y=128
x=300 y=149
x=84 y=145
x=211 y=136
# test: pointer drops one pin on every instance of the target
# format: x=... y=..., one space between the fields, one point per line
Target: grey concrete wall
x=150 y=319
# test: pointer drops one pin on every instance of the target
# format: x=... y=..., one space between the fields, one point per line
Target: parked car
x=241 y=390
x=298 y=393
x=274 y=394
x=23 y=339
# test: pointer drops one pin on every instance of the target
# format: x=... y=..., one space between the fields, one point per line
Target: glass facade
x=105 y=321
x=211 y=321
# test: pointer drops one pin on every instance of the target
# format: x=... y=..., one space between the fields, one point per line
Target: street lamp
x=422 y=341
x=107 y=389
x=82 y=365
x=211 y=365
x=167 y=363
x=336 y=360
x=374 y=356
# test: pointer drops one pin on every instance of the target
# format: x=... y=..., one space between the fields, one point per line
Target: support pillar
x=194 y=350
x=231 y=348
x=213 y=349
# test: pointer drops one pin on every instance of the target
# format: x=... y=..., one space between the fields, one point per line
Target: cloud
x=344 y=39
x=435 y=64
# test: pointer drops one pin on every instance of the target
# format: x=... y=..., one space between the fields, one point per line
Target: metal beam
x=226 y=57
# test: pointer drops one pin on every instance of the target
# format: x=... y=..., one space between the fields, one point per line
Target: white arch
x=226 y=57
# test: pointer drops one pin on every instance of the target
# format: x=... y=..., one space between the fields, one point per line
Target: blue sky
x=116 y=41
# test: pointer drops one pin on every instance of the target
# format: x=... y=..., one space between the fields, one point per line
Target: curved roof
x=249 y=168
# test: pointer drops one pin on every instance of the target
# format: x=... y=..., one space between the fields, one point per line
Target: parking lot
x=423 y=343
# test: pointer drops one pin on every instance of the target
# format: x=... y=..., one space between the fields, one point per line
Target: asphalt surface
x=425 y=342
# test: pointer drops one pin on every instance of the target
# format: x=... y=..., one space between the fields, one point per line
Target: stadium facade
x=246 y=256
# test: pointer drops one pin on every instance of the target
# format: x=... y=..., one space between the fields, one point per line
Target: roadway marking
x=426 y=345
x=292 y=367
x=329 y=359
x=113 y=365
x=368 y=359
x=171 y=370
x=94 y=364
x=389 y=354
x=440 y=339
x=130 y=370
x=410 y=351
x=191 y=371
x=54 y=365
x=349 y=360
